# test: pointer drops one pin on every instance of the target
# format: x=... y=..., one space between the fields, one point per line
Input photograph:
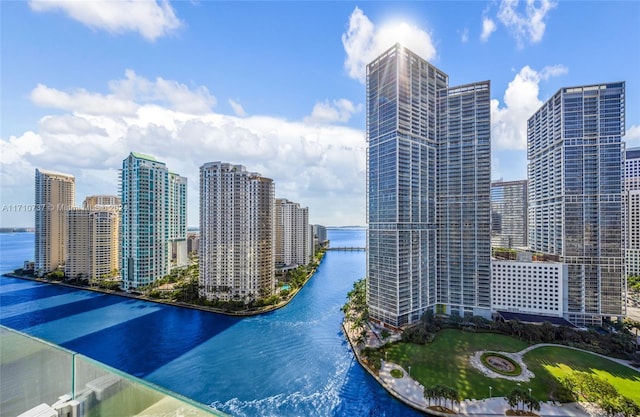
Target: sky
x=278 y=87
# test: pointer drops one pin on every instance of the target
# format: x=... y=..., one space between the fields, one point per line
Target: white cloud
x=633 y=134
x=126 y=96
x=488 y=27
x=336 y=111
x=237 y=108
x=150 y=18
x=521 y=99
x=92 y=103
x=363 y=42
x=464 y=35
x=319 y=165
x=525 y=25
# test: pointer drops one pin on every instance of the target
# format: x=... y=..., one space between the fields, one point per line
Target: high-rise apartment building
x=153 y=215
x=177 y=221
x=55 y=195
x=631 y=225
x=94 y=238
x=463 y=204
x=237 y=249
x=428 y=191
x=319 y=235
x=575 y=167
x=509 y=214
x=292 y=239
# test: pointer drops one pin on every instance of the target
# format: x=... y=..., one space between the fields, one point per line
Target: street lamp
x=529 y=392
x=409 y=371
x=490 y=388
x=386 y=356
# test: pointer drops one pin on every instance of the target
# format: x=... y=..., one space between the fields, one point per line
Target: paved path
x=412 y=393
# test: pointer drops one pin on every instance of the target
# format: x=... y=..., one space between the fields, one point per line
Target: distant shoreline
x=241 y=313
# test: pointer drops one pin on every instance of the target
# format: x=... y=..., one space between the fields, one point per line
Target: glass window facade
x=576 y=158
x=428 y=186
x=509 y=214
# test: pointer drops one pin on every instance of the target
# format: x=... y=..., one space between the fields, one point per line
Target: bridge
x=348 y=248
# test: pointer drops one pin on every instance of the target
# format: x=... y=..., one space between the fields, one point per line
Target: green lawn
x=549 y=362
x=446 y=361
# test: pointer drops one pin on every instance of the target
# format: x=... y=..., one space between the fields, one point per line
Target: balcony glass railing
x=44 y=380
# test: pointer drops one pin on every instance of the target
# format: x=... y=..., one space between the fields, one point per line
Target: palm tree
x=429 y=394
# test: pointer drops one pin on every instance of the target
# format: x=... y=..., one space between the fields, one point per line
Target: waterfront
x=291 y=362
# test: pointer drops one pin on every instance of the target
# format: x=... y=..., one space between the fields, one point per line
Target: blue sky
x=275 y=86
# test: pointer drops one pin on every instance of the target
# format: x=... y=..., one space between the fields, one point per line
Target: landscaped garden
x=555 y=363
x=438 y=351
x=446 y=361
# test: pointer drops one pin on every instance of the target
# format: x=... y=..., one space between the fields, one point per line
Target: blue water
x=15 y=248
x=291 y=362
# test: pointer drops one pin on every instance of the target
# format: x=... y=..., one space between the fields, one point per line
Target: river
x=294 y=361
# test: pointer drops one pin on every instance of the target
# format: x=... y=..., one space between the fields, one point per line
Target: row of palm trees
x=442 y=393
x=518 y=399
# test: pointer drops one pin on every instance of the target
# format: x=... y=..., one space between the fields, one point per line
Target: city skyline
x=221 y=81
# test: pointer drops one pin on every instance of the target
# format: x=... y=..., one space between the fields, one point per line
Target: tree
x=628 y=407
x=516 y=397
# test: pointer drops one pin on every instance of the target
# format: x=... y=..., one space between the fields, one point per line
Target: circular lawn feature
x=397 y=373
x=501 y=364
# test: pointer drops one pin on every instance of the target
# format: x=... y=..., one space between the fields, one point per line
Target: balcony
x=47 y=380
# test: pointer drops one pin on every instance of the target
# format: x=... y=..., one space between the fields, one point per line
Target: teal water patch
x=79 y=325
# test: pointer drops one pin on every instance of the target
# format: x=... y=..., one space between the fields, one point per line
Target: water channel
x=291 y=362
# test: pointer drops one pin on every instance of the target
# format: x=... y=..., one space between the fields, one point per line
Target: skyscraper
x=55 y=194
x=93 y=243
x=292 y=240
x=94 y=238
x=463 y=204
x=428 y=186
x=575 y=157
x=631 y=224
x=177 y=221
x=153 y=212
x=509 y=214
x=236 y=233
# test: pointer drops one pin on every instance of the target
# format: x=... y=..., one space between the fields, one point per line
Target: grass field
x=548 y=362
x=446 y=361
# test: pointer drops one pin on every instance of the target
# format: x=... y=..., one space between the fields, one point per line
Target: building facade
x=463 y=204
x=177 y=221
x=529 y=287
x=509 y=217
x=319 y=235
x=292 y=239
x=575 y=155
x=632 y=211
x=150 y=220
x=428 y=186
x=55 y=195
x=237 y=229
x=93 y=245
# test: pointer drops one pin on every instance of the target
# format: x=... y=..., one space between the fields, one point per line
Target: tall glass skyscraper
x=428 y=186
x=153 y=216
x=509 y=207
x=575 y=167
x=632 y=211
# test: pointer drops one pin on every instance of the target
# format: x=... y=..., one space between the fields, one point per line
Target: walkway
x=411 y=392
